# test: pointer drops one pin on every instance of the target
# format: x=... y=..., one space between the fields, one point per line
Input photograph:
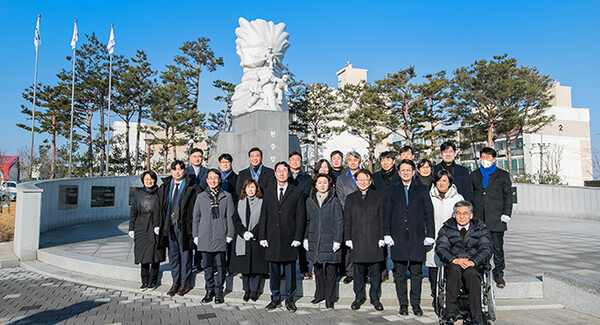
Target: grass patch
x=7 y=223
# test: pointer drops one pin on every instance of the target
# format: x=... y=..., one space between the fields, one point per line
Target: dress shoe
x=477 y=320
x=291 y=306
x=246 y=296
x=500 y=283
x=219 y=299
x=417 y=310
x=329 y=304
x=208 y=297
x=348 y=279
x=254 y=295
x=451 y=316
x=273 y=304
x=356 y=304
x=183 y=289
x=143 y=287
x=377 y=304
x=404 y=310
x=316 y=300
x=173 y=290
x=152 y=286
x=307 y=276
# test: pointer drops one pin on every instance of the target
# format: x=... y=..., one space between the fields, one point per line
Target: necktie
x=280 y=193
x=406 y=193
x=175 y=192
x=463 y=232
x=175 y=205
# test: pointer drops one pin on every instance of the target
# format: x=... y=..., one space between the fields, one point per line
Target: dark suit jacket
x=282 y=222
x=363 y=224
x=408 y=225
x=231 y=186
x=302 y=182
x=199 y=179
x=461 y=178
x=161 y=217
x=493 y=201
x=266 y=179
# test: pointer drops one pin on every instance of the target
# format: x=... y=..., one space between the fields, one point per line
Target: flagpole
x=33 y=104
x=109 y=95
x=72 y=105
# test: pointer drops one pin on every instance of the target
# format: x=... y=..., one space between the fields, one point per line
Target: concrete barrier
x=557 y=201
x=576 y=294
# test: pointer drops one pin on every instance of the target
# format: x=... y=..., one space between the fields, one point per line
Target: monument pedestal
x=267 y=130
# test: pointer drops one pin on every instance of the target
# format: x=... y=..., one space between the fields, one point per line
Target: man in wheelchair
x=464 y=245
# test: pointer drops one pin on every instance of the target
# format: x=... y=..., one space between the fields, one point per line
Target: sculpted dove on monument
x=261 y=46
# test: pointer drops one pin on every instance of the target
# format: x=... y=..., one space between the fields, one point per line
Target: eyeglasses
x=462 y=214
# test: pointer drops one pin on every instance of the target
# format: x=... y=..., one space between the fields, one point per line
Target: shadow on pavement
x=54 y=316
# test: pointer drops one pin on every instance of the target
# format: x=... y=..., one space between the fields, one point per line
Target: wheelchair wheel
x=440 y=308
x=488 y=298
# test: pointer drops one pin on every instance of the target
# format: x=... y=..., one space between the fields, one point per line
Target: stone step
x=516 y=288
x=7 y=256
x=196 y=294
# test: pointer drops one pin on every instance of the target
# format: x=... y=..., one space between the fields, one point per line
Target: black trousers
x=149 y=273
x=471 y=277
x=275 y=280
x=416 y=278
x=214 y=263
x=251 y=282
x=499 y=265
x=360 y=271
x=347 y=262
x=302 y=261
x=433 y=273
x=325 y=275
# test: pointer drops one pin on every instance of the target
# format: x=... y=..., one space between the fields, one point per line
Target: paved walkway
x=532 y=245
x=30 y=298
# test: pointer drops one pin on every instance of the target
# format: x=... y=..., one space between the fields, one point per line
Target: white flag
x=37 y=39
x=111 y=42
x=75 y=37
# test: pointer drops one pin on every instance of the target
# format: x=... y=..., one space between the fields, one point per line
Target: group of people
x=342 y=221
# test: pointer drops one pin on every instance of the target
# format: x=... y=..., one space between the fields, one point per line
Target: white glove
x=156 y=230
x=264 y=243
x=305 y=244
x=228 y=239
x=388 y=240
x=349 y=244
x=248 y=235
x=131 y=234
x=196 y=241
x=336 y=246
x=295 y=243
x=428 y=241
x=504 y=218
x=381 y=243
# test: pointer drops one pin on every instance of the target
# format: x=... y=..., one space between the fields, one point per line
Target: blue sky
x=561 y=38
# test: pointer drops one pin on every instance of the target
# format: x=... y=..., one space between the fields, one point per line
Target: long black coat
x=408 y=225
x=461 y=178
x=476 y=246
x=265 y=180
x=160 y=217
x=493 y=201
x=254 y=261
x=379 y=183
x=302 y=182
x=363 y=225
x=140 y=221
x=282 y=223
x=231 y=181
x=324 y=225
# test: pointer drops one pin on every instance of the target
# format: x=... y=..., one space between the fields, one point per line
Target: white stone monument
x=260 y=110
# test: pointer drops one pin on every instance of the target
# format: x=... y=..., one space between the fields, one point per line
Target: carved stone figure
x=261 y=46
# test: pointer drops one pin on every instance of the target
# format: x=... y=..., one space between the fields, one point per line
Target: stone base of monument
x=267 y=130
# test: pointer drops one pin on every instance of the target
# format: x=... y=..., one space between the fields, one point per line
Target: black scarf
x=387 y=176
x=151 y=190
x=213 y=194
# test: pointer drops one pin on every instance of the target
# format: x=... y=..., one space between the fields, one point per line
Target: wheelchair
x=488 y=301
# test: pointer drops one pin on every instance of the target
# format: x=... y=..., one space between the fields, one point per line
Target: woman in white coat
x=443 y=196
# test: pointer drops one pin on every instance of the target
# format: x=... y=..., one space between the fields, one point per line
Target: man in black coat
x=460 y=174
x=228 y=176
x=464 y=245
x=492 y=201
x=337 y=163
x=257 y=171
x=302 y=181
x=363 y=234
x=174 y=213
x=282 y=223
x=195 y=170
x=408 y=228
